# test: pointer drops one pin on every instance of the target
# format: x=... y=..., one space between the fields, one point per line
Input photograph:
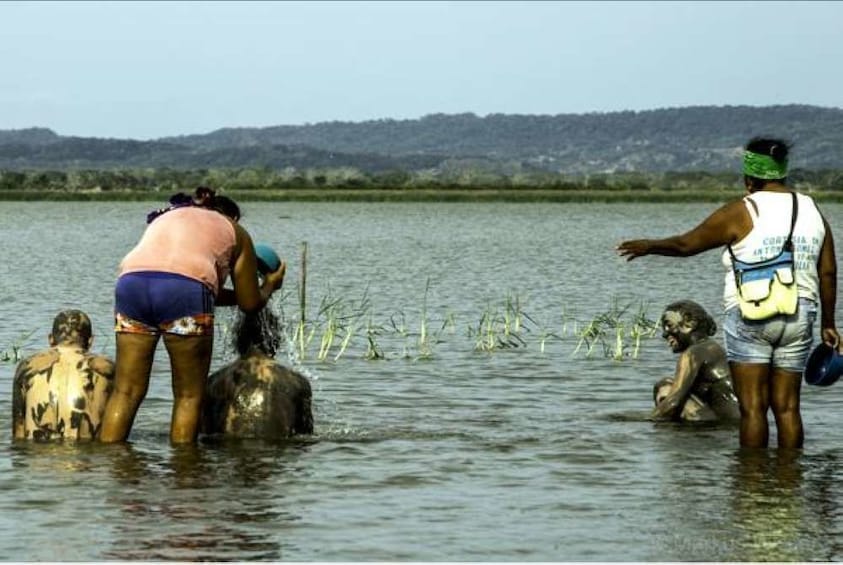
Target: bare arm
x=827 y=270
x=247 y=293
x=726 y=225
x=687 y=368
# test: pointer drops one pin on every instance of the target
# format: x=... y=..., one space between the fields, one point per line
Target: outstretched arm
x=726 y=225
x=671 y=405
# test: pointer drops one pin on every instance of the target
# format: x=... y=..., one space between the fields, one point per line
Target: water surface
x=516 y=454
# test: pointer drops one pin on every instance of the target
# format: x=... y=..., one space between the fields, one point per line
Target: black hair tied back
x=203 y=197
x=775 y=148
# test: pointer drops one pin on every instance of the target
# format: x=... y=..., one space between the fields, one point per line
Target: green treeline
x=291 y=183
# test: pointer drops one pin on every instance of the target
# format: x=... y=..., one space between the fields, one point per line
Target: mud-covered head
x=72 y=327
x=260 y=330
x=685 y=322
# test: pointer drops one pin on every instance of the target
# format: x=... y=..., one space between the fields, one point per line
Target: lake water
x=440 y=450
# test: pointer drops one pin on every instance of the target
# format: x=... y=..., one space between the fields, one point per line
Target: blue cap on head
x=824 y=367
x=268 y=260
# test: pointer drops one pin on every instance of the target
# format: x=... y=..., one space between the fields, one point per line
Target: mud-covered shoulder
x=708 y=350
x=303 y=381
x=290 y=377
x=102 y=366
x=221 y=382
x=35 y=364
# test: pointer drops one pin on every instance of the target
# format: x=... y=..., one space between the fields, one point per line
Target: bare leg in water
x=752 y=387
x=758 y=388
x=784 y=401
x=133 y=364
x=190 y=360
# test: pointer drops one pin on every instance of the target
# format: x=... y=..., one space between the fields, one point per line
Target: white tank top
x=770 y=226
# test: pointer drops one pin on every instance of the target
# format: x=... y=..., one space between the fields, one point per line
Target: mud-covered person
x=701 y=387
x=255 y=396
x=61 y=392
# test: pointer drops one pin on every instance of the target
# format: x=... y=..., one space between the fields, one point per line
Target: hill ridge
x=692 y=138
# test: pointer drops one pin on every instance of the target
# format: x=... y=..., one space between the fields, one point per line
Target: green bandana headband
x=763 y=166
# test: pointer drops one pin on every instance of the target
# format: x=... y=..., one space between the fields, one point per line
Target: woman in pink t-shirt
x=169 y=285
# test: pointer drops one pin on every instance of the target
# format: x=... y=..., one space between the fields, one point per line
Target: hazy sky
x=150 y=69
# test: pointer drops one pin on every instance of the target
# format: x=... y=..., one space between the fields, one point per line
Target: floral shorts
x=152 y=303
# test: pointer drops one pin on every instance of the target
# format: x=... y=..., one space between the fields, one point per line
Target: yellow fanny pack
x=768 y=288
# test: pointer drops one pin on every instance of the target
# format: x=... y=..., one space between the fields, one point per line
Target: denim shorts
x=783 y=341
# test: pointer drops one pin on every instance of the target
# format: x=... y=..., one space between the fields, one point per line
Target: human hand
x=276 y=278
x=634 y=248
x=831 y=337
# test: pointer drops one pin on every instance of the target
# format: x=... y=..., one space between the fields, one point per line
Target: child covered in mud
x=255 y=397
x=701 y=388
x=61 y=392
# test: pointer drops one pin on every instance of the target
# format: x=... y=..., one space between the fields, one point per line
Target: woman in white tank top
x=766 y=357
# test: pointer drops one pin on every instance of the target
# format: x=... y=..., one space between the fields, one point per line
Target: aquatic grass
x=14 y=353
x=546 y=335
x=425 y=340
x=589 y=335
x=346 y=340
x=611 y=331
x=337 y=319
x=373 y=350
x=398 y=324
x=344 y=325
x=501 y=329
x=568 y=319
x=424 y=346
x=329 y=331
x=545 y=332
x=642 y=327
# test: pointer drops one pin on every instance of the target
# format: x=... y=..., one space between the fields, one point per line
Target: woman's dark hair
x=207 y=197
x=226 y=206
x=776 y=148
x=204 y=197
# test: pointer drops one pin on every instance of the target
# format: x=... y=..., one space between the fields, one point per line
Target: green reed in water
x=501 y=329
x=425 y=340
x=15 y=351
x=346 y=325
x=373 y=351
x=611 y=331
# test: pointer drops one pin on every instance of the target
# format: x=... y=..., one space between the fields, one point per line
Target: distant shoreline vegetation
x=325 y=185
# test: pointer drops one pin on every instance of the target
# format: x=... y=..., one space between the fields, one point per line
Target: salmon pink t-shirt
x=193 y=242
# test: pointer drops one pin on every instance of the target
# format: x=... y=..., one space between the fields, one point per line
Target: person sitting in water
x=60 y=393
x=255 y=397
x=701 y=388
